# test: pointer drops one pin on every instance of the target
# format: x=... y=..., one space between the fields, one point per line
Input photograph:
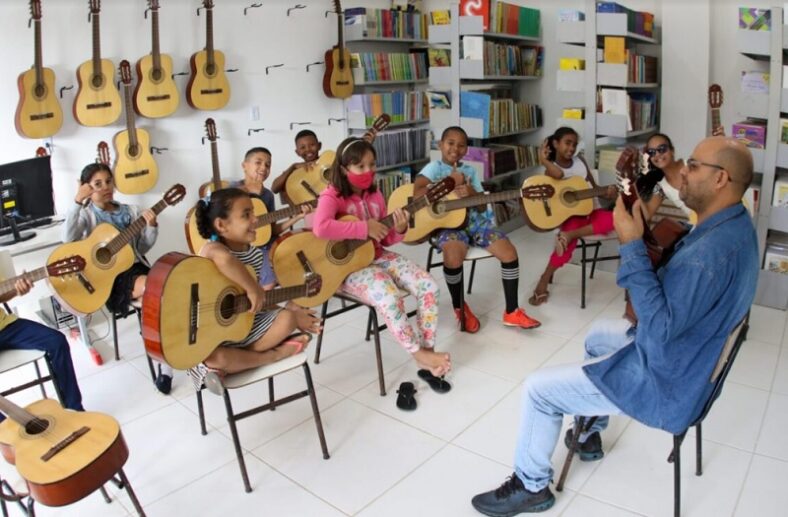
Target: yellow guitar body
x=155 y=97
x=429 y=219
x=38 y=114
x=97 y=104
x=329 y=259
x=316 y=176
x=138 y=173
x=196 y=241
x=550 y=214
x=100 y=270
x=207 y=89
x=340 y=82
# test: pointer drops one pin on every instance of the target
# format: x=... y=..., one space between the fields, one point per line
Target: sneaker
x=518 y=318
x=471 y=321
x=512 y=498
x=589 y=450
x=96 y=356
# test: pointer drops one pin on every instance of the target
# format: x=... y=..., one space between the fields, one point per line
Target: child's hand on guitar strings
x=150 y=217
x=256 y=299
x=376 y=230
x=401 y=217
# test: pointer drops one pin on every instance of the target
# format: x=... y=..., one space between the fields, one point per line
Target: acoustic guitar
x=208 y=87
x=452 y=212
x=301 y=252
x=338 y=78
x=715 y=103
x=98 y=101
x=38 y=114
x=57 y=269
x=156 y=95
x=306 y=183
x=62 y=455
x=572 y=197
x=107 y=253
x=190 y=308
x=135 y=169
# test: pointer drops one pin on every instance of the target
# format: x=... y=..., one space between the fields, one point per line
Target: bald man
x=658 y=372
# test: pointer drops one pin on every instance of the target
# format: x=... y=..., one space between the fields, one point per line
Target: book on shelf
x=751 y=132
x=401 y=106
x=780 y=196
x=571 y=15
x=499 y=116
x=497 y=159
x=639 y=107
x=755 y=82
x=754 y=19
x=477 y=8
x=406 y=5
x=641 y=69
x=752 y=199
x=439 y=99
x=438 y=57
x=637 y=22
x=776 y=257
x=473 y=47
x=505 y=210
x=503 y=17
x=573 y=113
x=386 y=23
x=389 y=181
x=615 y=49
x=441 y=17
x=512 y=60
x=405 y=145
x=571 y=63
x=388 y=66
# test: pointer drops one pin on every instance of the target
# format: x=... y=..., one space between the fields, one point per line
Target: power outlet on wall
x=254 y=113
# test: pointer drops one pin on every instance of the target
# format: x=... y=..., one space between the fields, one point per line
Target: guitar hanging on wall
x=135 y=169
x=208 y=87
x=38 y=114
x=338 y=78
x=715 y=103
x=98 y=101
x=156 y=95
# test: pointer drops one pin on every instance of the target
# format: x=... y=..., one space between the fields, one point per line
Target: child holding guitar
x=663 y=177
x=307 y=148
x=94 y=204
x=352 y=192
x=227 y=220
x=557 y=155
x=479 y=231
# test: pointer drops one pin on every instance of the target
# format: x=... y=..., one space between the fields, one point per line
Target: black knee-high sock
x=455 y=282
x=510 y=275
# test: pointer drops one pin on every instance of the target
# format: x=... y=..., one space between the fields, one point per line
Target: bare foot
x=438 y=364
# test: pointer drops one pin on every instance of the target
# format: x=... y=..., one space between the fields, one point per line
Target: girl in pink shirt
x=353 y=192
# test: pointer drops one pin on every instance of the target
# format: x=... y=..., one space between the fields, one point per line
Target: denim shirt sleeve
x=666 y=309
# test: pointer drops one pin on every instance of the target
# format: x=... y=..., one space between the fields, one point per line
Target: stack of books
x=502 y=59
x=389 y=181
x=499 y=116
x=384 y=66
x=384 y=23
x=402 y=106
x=401 y=146
x=639 y=107
x=641 y=69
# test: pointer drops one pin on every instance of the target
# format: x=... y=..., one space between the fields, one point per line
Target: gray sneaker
x=512 y=498
x=589 y=450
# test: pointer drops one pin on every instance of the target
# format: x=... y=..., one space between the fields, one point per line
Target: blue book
x=476 y=105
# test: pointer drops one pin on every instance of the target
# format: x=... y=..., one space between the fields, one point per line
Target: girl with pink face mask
x=353 y=192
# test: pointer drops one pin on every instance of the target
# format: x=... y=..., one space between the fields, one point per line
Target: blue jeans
x=28 y=335
x=551 y=393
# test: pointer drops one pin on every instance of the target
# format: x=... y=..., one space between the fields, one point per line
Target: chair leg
x=151 y=368
x=596 y=254
x=271 y=393
x=429 y=258
x=583 y=275
x=132 y=495
x=570 y=455
x=105 y=495
x=677 y=475
x=236 y=441
x=698 y=451
x=31 y=511
x=38 y=376
x=473 y=271
x=82 y=322
x=370 y=323
x=323 y=313
x=378 y=357
x=201 y=413
x=316 y=412
x=115 y=335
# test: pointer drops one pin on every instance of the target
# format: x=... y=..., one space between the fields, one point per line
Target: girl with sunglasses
x=663 y=178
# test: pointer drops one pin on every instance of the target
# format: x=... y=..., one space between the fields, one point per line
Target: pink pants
x=600 y=220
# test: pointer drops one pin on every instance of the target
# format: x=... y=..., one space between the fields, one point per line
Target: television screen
x=30 y=193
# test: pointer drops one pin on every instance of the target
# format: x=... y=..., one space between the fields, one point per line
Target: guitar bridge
x=65 y=442
x=99 y=105
x=547 y=209
x=86 y=283
x=42 y=116
x=309 y=188
x=213 y=91
x=158 y=97
x=137 y=174
x=305 y=263
x=194 y=313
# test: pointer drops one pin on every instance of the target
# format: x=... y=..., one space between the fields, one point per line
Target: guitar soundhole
x=326 y=173
x=97 y=81
x=569 y=198
x=210 y=70
x=227 y=307
x=156 y=74
x=40 y=91
x=437 y=209
x=36 y=426
x=103 y=256
x=338 y=252
x=134 y=151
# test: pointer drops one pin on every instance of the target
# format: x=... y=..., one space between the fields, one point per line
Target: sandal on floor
x=560 y=244
x=436 y=383
x=538 y=298
x=406 y=401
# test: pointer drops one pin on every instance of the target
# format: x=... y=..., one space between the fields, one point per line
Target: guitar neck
x=209 y=35
x=588 y=193
x=155 y=52
x=38 y=62
x=216 y=176
x=16 y=413
x=96 y=44
x=7 y=286
x=341 y=37
x=715 y=119
x=132 y=230
x=130 y=127
x=272 y=297
x=388 y=221
x=282 y=213
x=482 y=199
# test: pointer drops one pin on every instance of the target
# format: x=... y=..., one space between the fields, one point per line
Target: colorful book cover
x=476 y=105
x=615 y=50
x=477 y=8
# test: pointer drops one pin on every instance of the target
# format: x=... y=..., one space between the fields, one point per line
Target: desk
x=46 y=237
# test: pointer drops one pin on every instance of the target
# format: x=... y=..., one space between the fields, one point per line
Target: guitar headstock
x=125 y=72
x=313 y=282
x=337 y=8
x=41 y=152
x=715 y=96
x=95 y=6
x=102 y=155
x=381 y=123
x=35 y=9
x=208 y=4
x=153 y=5
x=210 y=129
x=175 y=195
x=538 y=192
x=66 y=266
x=440 y=189
x=626 y=169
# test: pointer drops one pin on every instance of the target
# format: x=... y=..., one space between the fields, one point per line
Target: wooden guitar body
x=196 y=241
x=208 y=187
x=134 y=173
x=316 y=176
x=38 y=114
x=426 y=221
x=330 y=259
x=155 y=97
x=98 y=101
x=208 y=87
x=545 y=215
x=101 y=268
x=175 y=327
x=82 y=466
x=338 y=80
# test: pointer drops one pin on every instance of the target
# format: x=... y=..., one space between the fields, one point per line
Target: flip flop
x=436 y=383
x=560 y=244
x=538 y=298
x=293 y=340
x=405 y=399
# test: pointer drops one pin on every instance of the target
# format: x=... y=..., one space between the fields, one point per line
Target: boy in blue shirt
x=479 y=231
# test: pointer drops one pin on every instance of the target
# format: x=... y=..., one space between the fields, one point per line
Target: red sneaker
x=518 y=318
x=471 y=321
x=96 y=356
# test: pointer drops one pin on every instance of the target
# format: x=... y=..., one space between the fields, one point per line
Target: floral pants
x=378 y=285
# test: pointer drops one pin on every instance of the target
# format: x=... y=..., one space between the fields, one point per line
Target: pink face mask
x=361 y=181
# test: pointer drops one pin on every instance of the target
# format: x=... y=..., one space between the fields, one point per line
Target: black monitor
x=26 y=197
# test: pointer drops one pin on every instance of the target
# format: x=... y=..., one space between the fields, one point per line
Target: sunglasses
x=660 y=149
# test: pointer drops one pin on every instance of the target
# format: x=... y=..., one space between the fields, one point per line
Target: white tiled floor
x=386 y=462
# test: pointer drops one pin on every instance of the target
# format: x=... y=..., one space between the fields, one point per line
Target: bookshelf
x=771 y=221
x=515 y=123
x=390 y=76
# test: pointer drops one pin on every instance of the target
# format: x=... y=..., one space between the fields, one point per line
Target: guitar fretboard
x=388 y=221
x=16 y=413
x=133 y=144
x=217 y=179
x=715 y=119
x=96 y=44
x=272 y=297
x=7 y=286
x=209 y=36
x=132 y=230
x=282 y=213
x=155 y=52
x=38 y=63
